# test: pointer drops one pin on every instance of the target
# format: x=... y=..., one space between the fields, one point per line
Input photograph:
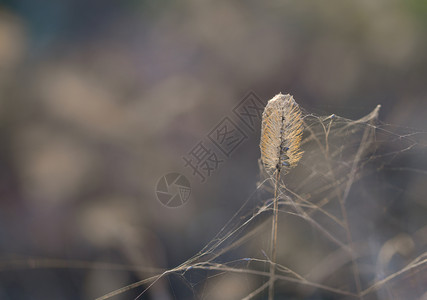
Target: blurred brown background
x=98 y=99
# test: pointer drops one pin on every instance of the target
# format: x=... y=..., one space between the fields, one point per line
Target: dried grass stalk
x=281 y=133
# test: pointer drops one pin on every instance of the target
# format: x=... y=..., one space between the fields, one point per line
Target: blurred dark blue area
x=53 y=22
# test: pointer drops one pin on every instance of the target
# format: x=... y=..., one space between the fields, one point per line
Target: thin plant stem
x=342 y=201
x=274 y=238
x=355 y=266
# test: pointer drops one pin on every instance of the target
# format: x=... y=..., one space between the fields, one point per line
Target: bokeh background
x=98 y=99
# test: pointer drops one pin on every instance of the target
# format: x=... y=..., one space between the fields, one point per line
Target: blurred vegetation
x=98 y=99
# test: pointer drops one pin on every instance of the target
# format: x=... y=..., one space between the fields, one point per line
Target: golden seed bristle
x=281 y=134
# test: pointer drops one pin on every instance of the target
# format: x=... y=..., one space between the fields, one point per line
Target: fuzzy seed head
x=281 y=133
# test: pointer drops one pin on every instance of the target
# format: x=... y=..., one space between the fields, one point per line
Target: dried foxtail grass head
x=281 y=133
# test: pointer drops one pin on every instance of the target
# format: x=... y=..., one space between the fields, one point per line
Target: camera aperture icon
x=173 y=190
